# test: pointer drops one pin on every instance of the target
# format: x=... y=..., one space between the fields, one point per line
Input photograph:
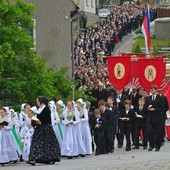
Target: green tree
x=15 y=44
x=23 y=74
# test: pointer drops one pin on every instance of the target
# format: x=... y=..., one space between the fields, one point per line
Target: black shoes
x=135 y=147
x=157 y=149
x=112 y=150
x=145 y=147
x=31 y=163
x=128 y=149
x=58 y=159
x=97 y=154
x=119 y=146
x=150 y=149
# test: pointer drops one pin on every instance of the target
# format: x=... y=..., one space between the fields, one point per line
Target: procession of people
x=52 y=130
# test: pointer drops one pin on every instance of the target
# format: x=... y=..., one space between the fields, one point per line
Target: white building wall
x=87 y=6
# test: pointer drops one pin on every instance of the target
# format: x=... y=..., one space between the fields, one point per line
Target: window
x=32 y=32
x=87 y=2
x=92 y=3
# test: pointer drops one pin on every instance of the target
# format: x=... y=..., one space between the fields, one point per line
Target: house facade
x=90 y=8
x=53 y=31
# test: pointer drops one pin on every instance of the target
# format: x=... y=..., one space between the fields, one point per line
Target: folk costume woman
x=15 y=123
x=86 y=135
x=60 y=108
x=70 y=145
x=8 y=151
x=55 y=122
x=78 y=132
x=15 y=120
x=44 y=144
x=28 y=133
x=23 y=114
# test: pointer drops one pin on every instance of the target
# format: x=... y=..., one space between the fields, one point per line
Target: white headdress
x=22 y=107
x=52 y=106
x=34 y=109
x=82 y=103
x=61 y=103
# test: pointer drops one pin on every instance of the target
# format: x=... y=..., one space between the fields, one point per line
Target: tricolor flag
x=146 y=31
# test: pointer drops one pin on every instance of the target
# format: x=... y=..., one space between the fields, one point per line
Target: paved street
x=126 y=44
x=120 y=159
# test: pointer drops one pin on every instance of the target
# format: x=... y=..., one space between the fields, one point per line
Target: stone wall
x=162 y=28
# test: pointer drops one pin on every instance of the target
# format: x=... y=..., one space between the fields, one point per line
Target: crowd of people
x=94 y=44
x=56 y=129
x=44 y=134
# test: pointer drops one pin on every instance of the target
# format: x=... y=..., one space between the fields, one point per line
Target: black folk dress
x=44 y=145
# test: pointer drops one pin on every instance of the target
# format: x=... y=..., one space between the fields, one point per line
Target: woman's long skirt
x=8 y=152
x=44 y=145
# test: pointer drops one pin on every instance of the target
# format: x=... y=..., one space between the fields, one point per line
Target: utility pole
x=74 y=17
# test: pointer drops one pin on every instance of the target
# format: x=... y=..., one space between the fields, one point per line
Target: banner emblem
x=119 y=70
x=150 y=73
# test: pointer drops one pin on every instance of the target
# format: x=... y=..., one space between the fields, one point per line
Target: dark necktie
x=153 y=98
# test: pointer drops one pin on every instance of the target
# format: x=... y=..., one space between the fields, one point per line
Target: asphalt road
x=126 y=45
x=120 y=159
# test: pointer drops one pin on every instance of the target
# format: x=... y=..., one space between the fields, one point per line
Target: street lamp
x=72 y=21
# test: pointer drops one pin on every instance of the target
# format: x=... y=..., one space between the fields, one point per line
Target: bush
x=136 y=36
x=138 y=30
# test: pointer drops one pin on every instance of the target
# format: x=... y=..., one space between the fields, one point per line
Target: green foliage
x=62 y=83
x=156 y=43
x=23 y=74
x=64 y=87
x=14 y=20
x=137 y=49
x=138 y=30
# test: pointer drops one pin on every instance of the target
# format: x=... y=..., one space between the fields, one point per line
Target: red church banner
x=151 y=71
x=134 y=83
x=119 y=69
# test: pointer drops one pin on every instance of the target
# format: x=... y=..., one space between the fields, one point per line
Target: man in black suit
x=134 y=97
x=154 y=104
x=114 y=111
x=140 y=123
x=101 y=93
x=107 y=114
x=119 y=99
